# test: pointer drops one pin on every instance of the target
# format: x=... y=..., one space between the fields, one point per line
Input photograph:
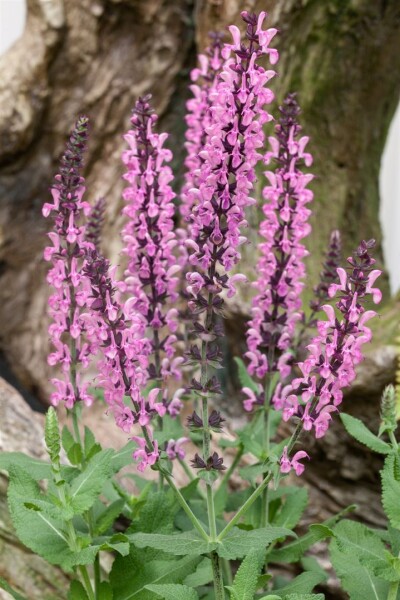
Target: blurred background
x=62 y=58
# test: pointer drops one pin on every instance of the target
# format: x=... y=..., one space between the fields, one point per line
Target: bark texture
x=97 y=56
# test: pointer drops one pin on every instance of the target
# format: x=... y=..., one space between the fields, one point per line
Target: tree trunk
x=97 y=56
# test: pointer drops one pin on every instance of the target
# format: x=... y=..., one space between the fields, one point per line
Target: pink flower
x=287 y=464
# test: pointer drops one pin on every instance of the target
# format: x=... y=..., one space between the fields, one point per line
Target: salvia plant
x=153 y=332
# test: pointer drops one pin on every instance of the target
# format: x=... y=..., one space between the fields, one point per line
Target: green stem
x=190 y=475
x=87 y=583
x=96 y=565
x=196 y=523
x=393 y=440
x=267 y=433
x=393 y=589
x=217 y=573
x=245 y=507
x=75 y=425
x=211 y=513
x=227 y=571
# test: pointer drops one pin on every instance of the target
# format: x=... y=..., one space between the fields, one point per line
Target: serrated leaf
x=5 y=586
x=130 y=575
x=77 y=591
x=123 y=457
x=202 y=575
x=178 y=544
x=251 y=472
x=391 y=491
x=86 y=488
x=67 y=439
x=353 y=543
x=75 y=454
x=292 y=509
x=362 y=434
x=294 y=551
x=117 y=542
x=239 y=542
x=173 y=591
x=45 y=535
x=108 y=516
x=90 y=444
x=388 y=569
x=157 y=515
x=38 y=469
x=244 y=377
x=302 y=584
x=246 y=579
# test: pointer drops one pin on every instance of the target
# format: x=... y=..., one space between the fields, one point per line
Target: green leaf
x=251 y=472
x=157 y=515
x=72 y=449
x=67 y=439
x=117 y=542
x=294 y=551
x=387 y=569
x=38 y=469
x=244 y=377
x=309 y=563
x=179 y=544
x=202 y=575
x=239 y=542
x=391 y=491
x=305 y=597
x=354 y=543
x=292 y=509
x=86 y=488
x=90 y=445
x=77 y=591
x=108 y=516
x=302 y=584
x=131 y=575
x=245 y=582
x=52 y=435
x=105 y=591
x=4 y=586
x=174 y=591
x=45 y=535
x=362 y=434
x=122 y=457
